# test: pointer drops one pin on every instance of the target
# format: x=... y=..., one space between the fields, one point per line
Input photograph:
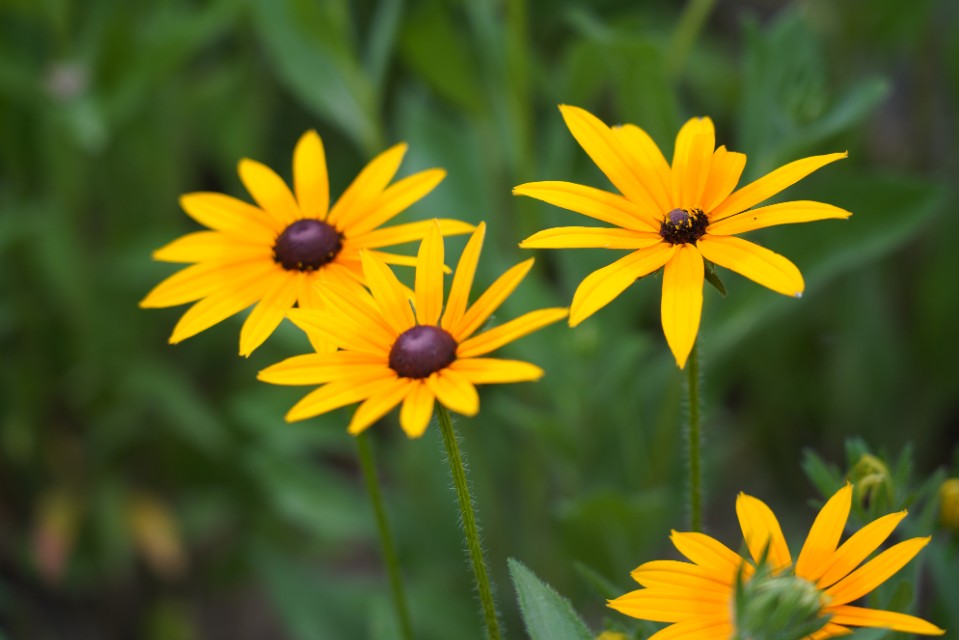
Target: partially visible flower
x=284 y=251
x=698 y=597
x=675 y=216
x=392 y=353
x=949 y=504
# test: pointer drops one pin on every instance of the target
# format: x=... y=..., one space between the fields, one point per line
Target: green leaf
x=548 y=615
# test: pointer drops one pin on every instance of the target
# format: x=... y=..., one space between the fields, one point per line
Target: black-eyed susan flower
x=673 y=216
x=277 y=254
x=698 y=597
x=392 y=353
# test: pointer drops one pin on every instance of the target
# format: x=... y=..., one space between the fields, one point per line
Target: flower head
x=282 y=252
x=698 y=597
x=392 y=353
x=673 y=216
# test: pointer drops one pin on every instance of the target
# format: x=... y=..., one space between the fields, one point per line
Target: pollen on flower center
x=422 y=350
x=307 y=245
x=684 y=226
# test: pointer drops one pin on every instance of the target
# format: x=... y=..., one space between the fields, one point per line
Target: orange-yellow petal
x=595 y=203
x=429 y=277
x=872 y=574
x=454 y=391
x=417 y=409
x=389 y=294
x=754 y=262
x=824 y=535
x=670 y=605
x=707 y=552
x=603 y=285
x=695 y=143
x=269 y=311
x=682 y=302
x=673 y=573
x=762 y=531
x=269 y=191
x=225 y=213
x=463 y=279
x=590 y=238
x=648 y=163
x=394 y=200
x=217 y=307
x=310 y=179
x=366 y=187
x=490 y=300
x=205 y=279
x=213 y=246
x=725 y=169
x=495 y=370
x=340 y=393
x=862 y=617
x=776 y=214
x=508 y=332
x=320 y=368
x=858 y=547
x=382 y=401
x=409 y=232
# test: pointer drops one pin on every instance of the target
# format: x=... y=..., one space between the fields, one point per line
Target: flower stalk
x=694 y=442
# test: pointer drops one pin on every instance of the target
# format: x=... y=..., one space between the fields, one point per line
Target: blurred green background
x=151 y=491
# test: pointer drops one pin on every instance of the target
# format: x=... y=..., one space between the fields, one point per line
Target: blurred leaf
x=548 y=615
x=382 y=40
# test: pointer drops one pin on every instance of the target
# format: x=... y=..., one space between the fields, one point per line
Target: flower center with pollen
x=684 y=226
x=307 y=245
x=422 y=350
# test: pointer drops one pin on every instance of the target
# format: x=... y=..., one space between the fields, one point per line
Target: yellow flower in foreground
x=698 y=596
x=279 y=253
x=391 y=353
x=673 y=216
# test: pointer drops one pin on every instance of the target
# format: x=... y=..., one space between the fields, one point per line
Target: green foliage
x=547 y=615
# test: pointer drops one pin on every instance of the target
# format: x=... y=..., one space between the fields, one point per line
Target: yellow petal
x=341 y=330
x=409 y=232
x=725 y=169
x=707 y=552
x=320 y=368
x=648 y=162
x=754 y=262
x=454 y=391
x=340 y=393
x=463 y=279
x=823 y=538
x=772 y=183
x=496 y=371
x=667 y=605
x=429 y=277
x=204 y=279
x=213 y=246
x=218 y=307
x=392 y=202
x=388 y=292
x=775 y=214
x=417 y=410
x=490 y=300
x=862 y=617
x=762 y=531
x=508 y=332
x=269 y=311
x=367 y=186
x=830 y=630
x=309 y=176
x=225 y=213
x=379 y=404
x=309 y=295
x=872 y=574
x=605 y=149
x=682 y=303
x=595 y=203
x=858 y=547
x=673 y=573
x=712 y=628
x=269 y=191
x=590 y=238
x=355 y=307
x=695 y=143
x=600 y=287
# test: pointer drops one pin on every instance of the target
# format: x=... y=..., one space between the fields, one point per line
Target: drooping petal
x=340 y=393
x=772 y=183
x=762 y=532
x=213 y=246
x=463 y=279
x=390 y=394
x=776 y=214
x=682 y=302
x=862 y=617
x=454 y=391
x=590 y=238
x=495 y=370
x=707 y=552
x=600 y=287
x=595 y=203
x=225 y=213
x=490 y=300
x=605 y=149
x=204 y=279
x=217 y=307
x=388 y=293
x=417 y=410
x=394 y=200
x=269 y=311
x=310 y=180
x=858 y=547
x=875 y=572
x=508 y=332
x=648 y=162
x=320 y=368
x=754 y=262
x=725 y=169
x=269 y=191
x=429 y=277
x=409 y=232
x=823 y=538
x=366 y=187
x=695 y=143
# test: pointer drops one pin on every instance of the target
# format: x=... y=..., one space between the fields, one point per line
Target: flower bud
x=949 y=504
x=873 y=482
x=778 y=607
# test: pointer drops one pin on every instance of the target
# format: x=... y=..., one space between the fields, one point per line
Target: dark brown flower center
x=307 y=245
x=422 y=350
x=684 y=226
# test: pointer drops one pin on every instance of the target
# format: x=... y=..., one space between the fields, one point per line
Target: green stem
x=470 y=528
x=690 y=24
x=386 y=537
x=693 y=441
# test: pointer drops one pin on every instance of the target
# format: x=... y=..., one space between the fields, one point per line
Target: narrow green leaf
x=548 y=615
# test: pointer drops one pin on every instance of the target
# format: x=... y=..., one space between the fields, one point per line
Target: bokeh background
x=154 y=491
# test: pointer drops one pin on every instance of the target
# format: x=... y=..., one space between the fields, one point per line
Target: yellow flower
x=285 y=250
x=391 y=353
x=673 y=216
x=698 y=596
x=949 y=504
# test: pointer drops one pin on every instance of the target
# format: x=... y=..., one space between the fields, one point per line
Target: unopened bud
x=873 y=482
x=778 y=607
x=949 y=504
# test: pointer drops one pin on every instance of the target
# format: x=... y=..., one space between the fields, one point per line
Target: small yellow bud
x=872 y=480
x=949 y=504
x=612 y=635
